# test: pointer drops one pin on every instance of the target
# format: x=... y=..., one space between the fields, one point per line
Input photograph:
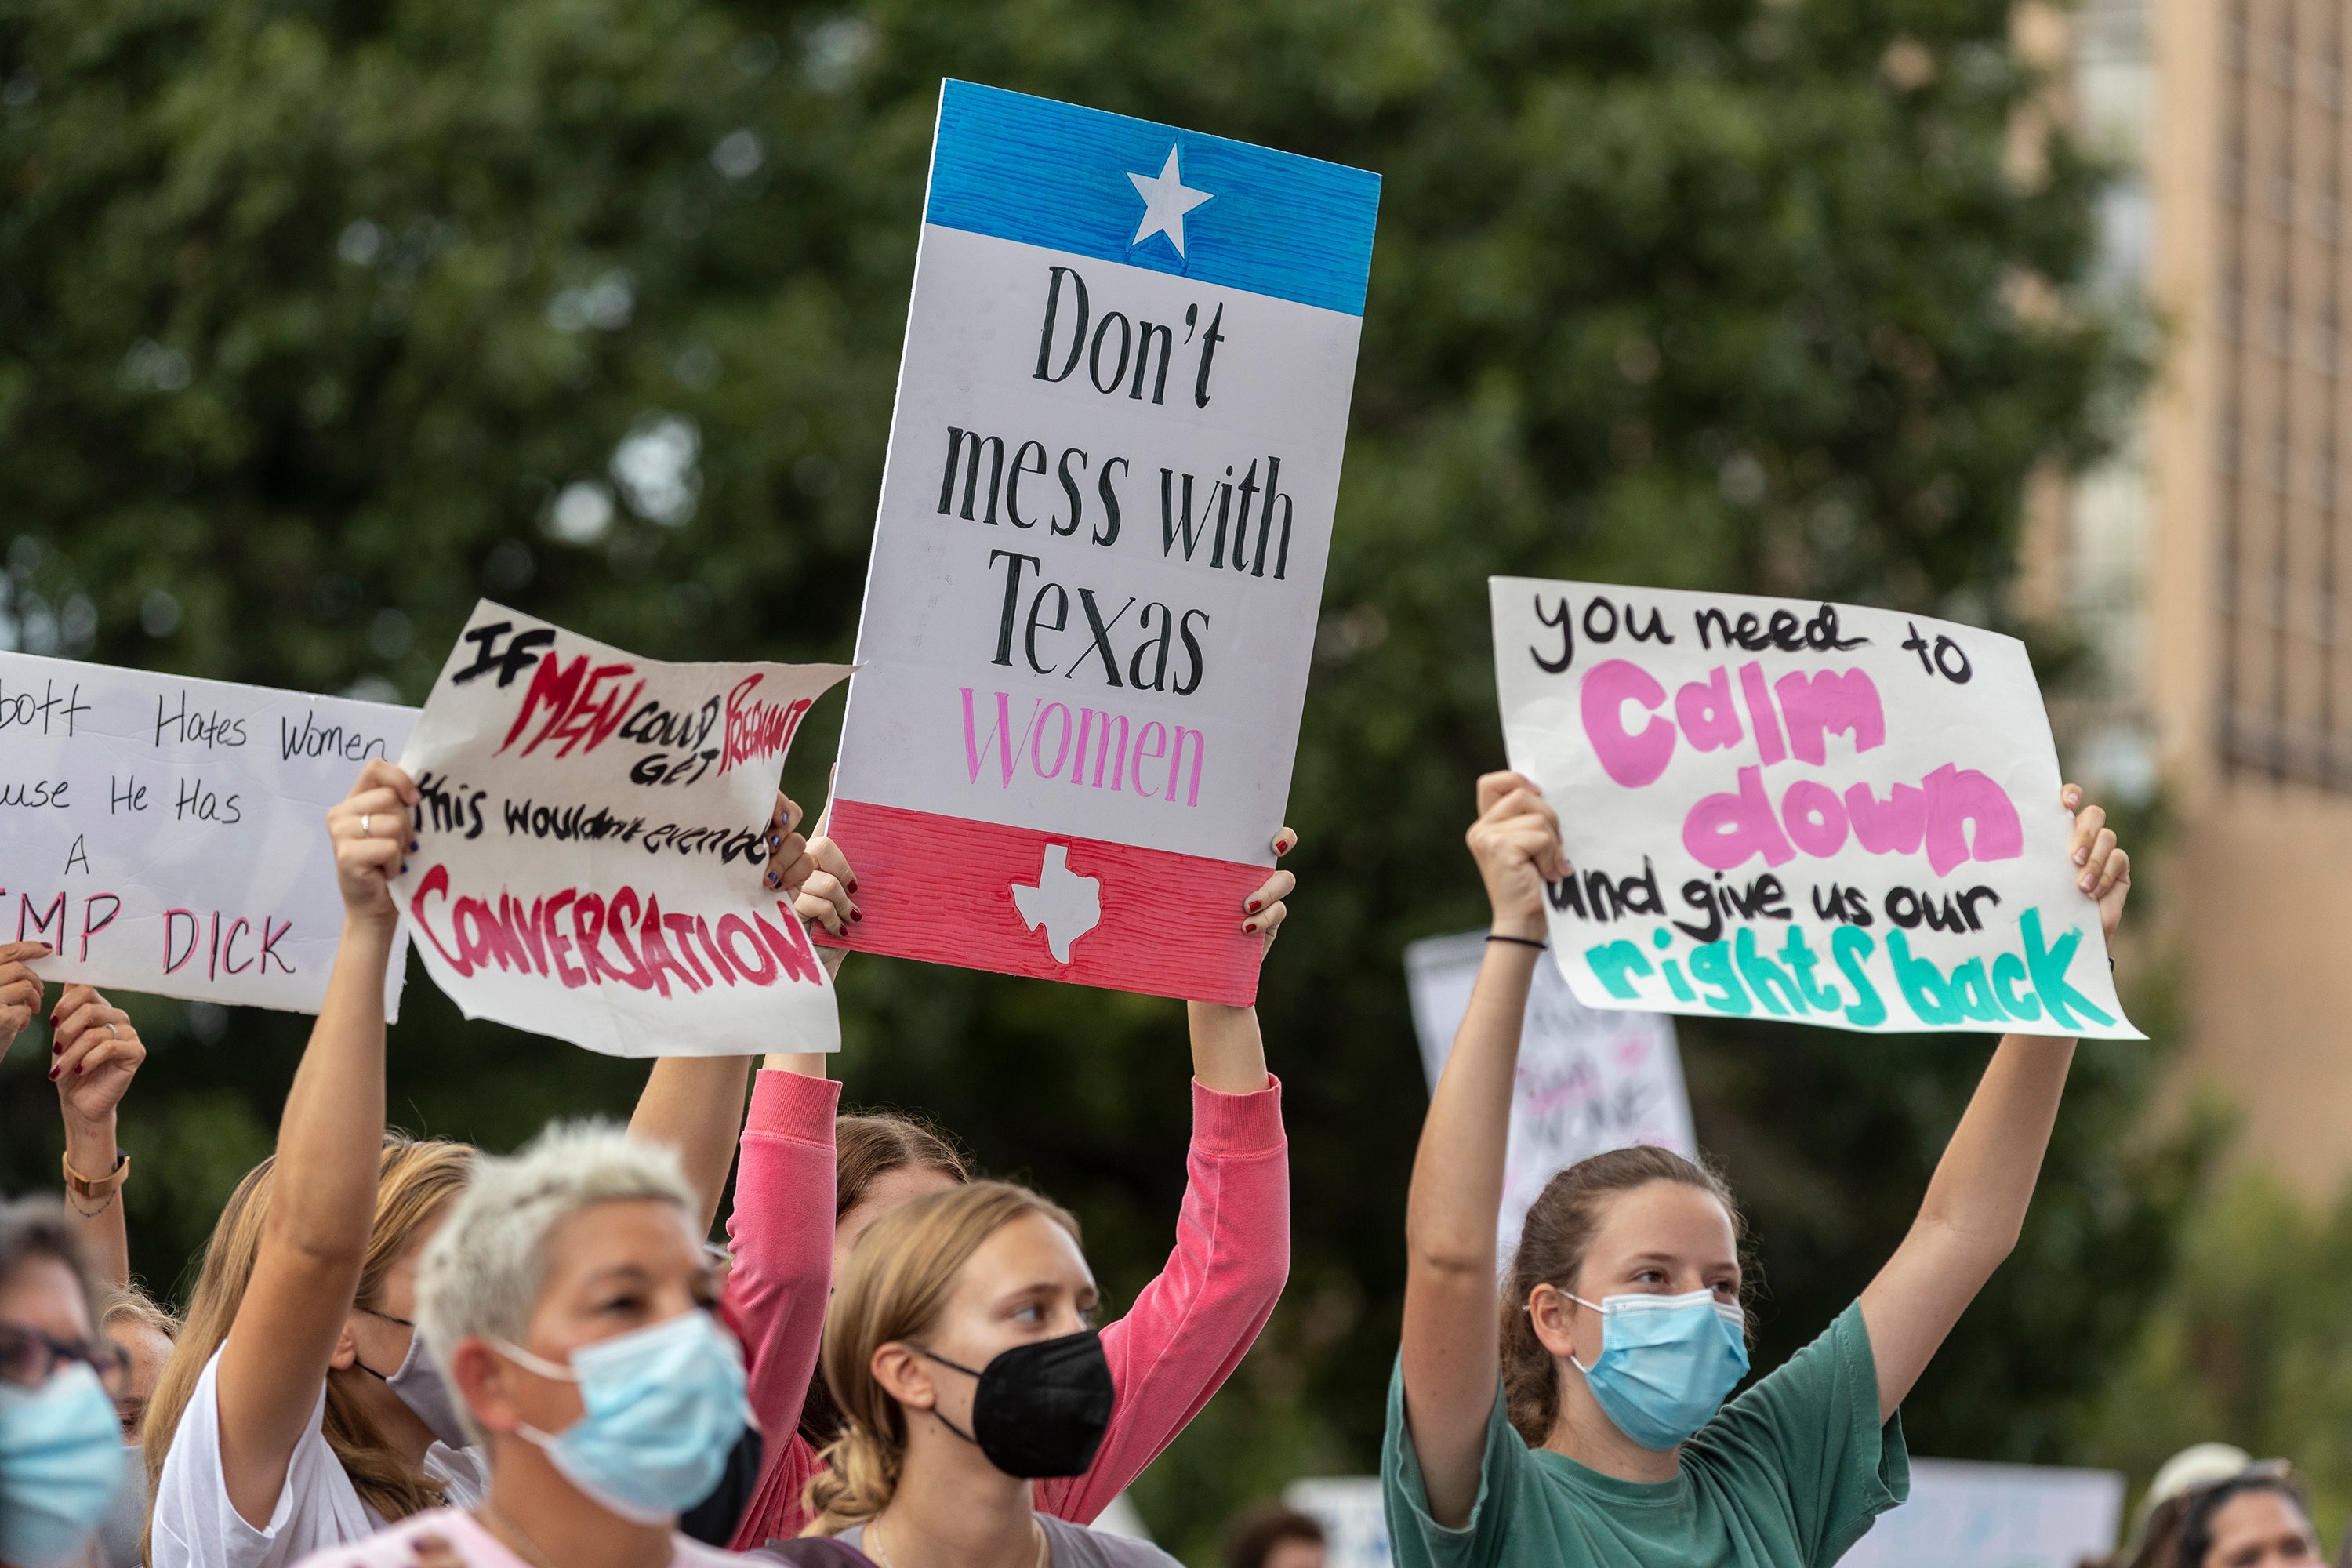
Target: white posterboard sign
x=1099 y=557
x=1964 y=1514
x=593 y=844
x=1790 y=809
x=1353 y=1516
x=1589 y=1080
x=169 y=834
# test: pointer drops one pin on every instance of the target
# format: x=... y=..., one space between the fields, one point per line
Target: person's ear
x=347 y=1348
x=480 y=1375
x=904 y=1376
x=1553 y=1316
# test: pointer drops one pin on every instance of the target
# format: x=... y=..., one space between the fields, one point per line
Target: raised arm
x=94 y=1053
x=1451 y=1352
x=1976 y=1201
x=695 y=1104
x=1190 y=1326
x=330 y=1145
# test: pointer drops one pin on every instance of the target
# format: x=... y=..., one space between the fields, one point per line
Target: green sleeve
x=1806 y=1441
x=1417 y=1540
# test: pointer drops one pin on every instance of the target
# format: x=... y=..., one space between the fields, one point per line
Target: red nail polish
x=852 y=884
x=53 y=1073
x=78 y=1067
x=56 y=1048
x=857 y=914
x=1256 y=905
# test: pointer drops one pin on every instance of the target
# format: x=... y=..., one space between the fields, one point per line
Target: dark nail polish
x=55 y=1049
x=852 y=884
x=77 y=1067
x=53 y=1073
x=857 y=914
x=412 y=846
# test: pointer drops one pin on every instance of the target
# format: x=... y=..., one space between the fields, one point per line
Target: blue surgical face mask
x=61 y=1463
x=1666 y=1363
x=661 y=1409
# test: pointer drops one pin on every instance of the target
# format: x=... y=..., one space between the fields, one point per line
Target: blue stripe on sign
x=1055 y=174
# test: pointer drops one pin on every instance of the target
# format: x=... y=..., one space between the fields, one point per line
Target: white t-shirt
x=477 y=1547
x=197 y=1526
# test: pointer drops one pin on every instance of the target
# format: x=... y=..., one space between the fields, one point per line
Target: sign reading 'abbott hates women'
x=592 y=845
x=1816 y=812
x=1099 y=556
x=170 y=835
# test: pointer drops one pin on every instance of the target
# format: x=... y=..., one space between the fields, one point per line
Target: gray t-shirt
x=1073 y=1546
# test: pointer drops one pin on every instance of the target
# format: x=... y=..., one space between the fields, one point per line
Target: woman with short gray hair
x=568 y=1303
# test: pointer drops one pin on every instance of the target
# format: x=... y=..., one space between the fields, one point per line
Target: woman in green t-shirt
x=1605 y=1443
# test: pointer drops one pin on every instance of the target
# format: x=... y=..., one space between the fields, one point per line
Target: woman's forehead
x=1666 y=1218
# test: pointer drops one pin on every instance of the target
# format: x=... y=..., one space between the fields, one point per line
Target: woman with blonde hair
x=810 y=1183
x=961 y=1352
x=299 y=1410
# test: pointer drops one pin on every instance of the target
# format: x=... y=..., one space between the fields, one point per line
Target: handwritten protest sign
x=1776 y=808
x=1589 y=1081
x=1099 y=554
x=593 y=844
x=1966 y=1514
x=168 y=835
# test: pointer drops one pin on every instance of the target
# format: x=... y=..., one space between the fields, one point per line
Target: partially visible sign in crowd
x=168 y=835
x=1967 y=1514
x=1098 y=562
x=593 y=844
x=1589 y=1080
x=1814 y=812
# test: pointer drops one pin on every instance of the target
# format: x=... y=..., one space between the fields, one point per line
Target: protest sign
x=1099 y=553
x=1589 y=1080
x=168 y=835
x=593 y=844
x=1964 y=1514
x=1778 y=808
x=1353 y=1514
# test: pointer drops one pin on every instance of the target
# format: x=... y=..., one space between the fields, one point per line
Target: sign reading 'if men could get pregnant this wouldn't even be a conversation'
x=1776 y=808
x=1099 y=556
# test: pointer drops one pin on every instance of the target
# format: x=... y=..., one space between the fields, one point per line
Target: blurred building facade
x=2208 y=567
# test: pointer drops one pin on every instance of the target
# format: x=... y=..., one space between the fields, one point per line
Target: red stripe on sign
x=1019 y=902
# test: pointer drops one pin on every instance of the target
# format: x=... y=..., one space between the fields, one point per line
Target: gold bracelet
x=105 y=1186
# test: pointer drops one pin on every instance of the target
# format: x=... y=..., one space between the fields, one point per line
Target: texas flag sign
x=1098 y=562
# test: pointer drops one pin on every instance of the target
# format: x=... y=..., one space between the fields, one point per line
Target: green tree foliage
x=318 y=318
x=2250 y=1343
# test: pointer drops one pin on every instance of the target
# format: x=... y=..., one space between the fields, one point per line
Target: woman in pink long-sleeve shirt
x=1189 y=1328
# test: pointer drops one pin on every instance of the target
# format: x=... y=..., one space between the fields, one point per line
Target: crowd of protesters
x=407 y=1351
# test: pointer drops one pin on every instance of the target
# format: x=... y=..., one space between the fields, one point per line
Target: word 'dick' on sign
x=1783 y=809
x=1098 y=561
x=593 y=844
x=168 y=835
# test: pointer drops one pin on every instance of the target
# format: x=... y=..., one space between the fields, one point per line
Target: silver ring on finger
x=364 y=832
x=115 y=1032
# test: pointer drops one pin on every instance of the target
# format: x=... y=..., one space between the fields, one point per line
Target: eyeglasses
x=30 y=1358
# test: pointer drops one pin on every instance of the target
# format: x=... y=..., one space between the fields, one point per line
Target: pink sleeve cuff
x=792 y=1105
x=1235 y=1123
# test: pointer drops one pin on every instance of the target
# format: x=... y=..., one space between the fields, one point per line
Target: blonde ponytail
x=895 y=1285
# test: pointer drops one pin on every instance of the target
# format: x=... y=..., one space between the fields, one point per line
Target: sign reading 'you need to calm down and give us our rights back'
x=1099 y=556
x=1777 y=808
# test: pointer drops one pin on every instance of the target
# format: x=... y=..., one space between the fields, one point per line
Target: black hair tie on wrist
x=1521 y=940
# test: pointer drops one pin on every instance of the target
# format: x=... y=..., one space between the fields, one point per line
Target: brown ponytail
x=1558 y=1227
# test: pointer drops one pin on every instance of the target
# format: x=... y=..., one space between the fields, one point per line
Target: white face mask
x=419 y=1386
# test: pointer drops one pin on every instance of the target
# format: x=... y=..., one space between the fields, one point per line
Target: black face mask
x=1041 y=1409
